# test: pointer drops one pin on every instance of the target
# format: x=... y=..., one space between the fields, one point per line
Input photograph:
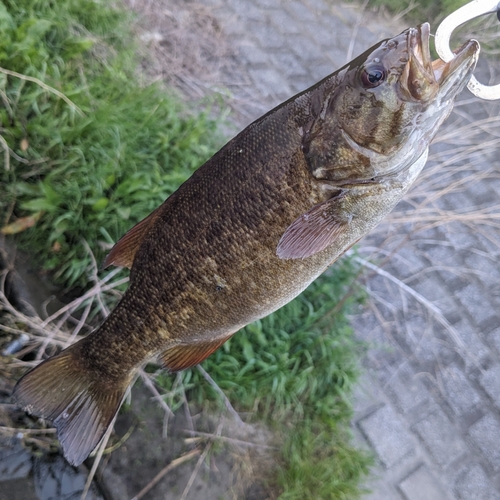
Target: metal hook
x=469 y=11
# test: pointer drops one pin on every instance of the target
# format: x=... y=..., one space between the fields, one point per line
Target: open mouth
x=422 y=77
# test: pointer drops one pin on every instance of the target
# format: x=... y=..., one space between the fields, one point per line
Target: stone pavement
x=428 y=403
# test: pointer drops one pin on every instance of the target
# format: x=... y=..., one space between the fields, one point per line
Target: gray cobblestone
x=422 y=485
x=473 y=484
x=319 y=7
x=407 y=389
x=381 y=491
x=253 y=55
x=284 y=23
x=485 y=434
x=287 y=63
x=267 y=36
x=269 y=82
x=474 y=350
x=478 y=306
x=300 y=11
x=392 y=445
x=441 y=438
x=246 y=9
x=489 y=381
x=459 y=393
x=306 y=50
x=493 y=339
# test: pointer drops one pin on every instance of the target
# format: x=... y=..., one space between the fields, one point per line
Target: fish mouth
x=423 y=78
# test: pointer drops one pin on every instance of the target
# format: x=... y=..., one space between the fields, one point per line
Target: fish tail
x=79 y=404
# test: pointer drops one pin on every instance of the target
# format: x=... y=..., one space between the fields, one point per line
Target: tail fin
x=80 y=406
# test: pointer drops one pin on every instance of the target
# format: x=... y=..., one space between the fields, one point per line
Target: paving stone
x=267 y=36
x=459 y=237
x=284 y=22
x=366 y=395
x=484 y=192
x=421 y=484
x=268 y=4
x=246 y=10
x=458 y=392
x=441 y=254
x=490 y=381
x=380 y=490
x=441 y=438
x=485 y=434
x=473 y=484
x=319 y=7
x=322 y=70
x=306 y=50
x=391 y=440
x=484 y=264
x=300 y=11
x=407 y=263
x=287 y=63
x=253 y=55
x=472 y=350
x=493 y=339
x=269 y=82
x=477 y=305
x=322 y=35
x=407 y=389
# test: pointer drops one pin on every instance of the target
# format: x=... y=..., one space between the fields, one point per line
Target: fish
x=254 y=226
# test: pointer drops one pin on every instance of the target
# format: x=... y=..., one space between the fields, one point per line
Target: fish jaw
x=424 y=80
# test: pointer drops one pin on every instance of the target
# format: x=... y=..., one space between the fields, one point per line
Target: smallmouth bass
x=254 y=226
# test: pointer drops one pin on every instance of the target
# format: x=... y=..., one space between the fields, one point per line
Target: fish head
x=388 y=106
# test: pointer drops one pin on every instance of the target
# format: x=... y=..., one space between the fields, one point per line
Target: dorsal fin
x=182 y=356
x=123 y=253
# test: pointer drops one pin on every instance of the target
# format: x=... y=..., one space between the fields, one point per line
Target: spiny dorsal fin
x=123 y=253
x=80 y=407
x=314 y=231
x=182 y=356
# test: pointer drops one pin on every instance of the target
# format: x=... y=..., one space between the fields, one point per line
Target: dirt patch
x=183 y=44
x=221 y=456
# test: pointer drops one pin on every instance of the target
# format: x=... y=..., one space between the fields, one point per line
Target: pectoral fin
x=182 y=356
x=123 y=253
x=314 y=231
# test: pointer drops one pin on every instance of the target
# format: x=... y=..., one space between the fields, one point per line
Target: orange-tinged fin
x=182 y=356
x=80 y=408
x=313 y=231
x=123 y=253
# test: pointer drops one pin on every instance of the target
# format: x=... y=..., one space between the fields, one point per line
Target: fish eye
x=373 y=76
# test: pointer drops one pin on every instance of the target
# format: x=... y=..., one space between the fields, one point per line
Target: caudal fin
x=80 y=406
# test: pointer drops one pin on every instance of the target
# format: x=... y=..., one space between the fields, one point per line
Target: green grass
x=86 y=175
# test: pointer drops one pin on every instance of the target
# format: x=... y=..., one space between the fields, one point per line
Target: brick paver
x=428 y=405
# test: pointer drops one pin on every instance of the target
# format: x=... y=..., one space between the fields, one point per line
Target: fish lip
x=466 y=56
x=423 y=78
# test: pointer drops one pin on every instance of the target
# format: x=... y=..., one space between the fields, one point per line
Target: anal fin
x=182 y=356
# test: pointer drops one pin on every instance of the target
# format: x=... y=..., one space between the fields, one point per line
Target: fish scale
x=253 y=226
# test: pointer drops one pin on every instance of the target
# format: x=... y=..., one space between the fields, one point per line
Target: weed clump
x=88 y=167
